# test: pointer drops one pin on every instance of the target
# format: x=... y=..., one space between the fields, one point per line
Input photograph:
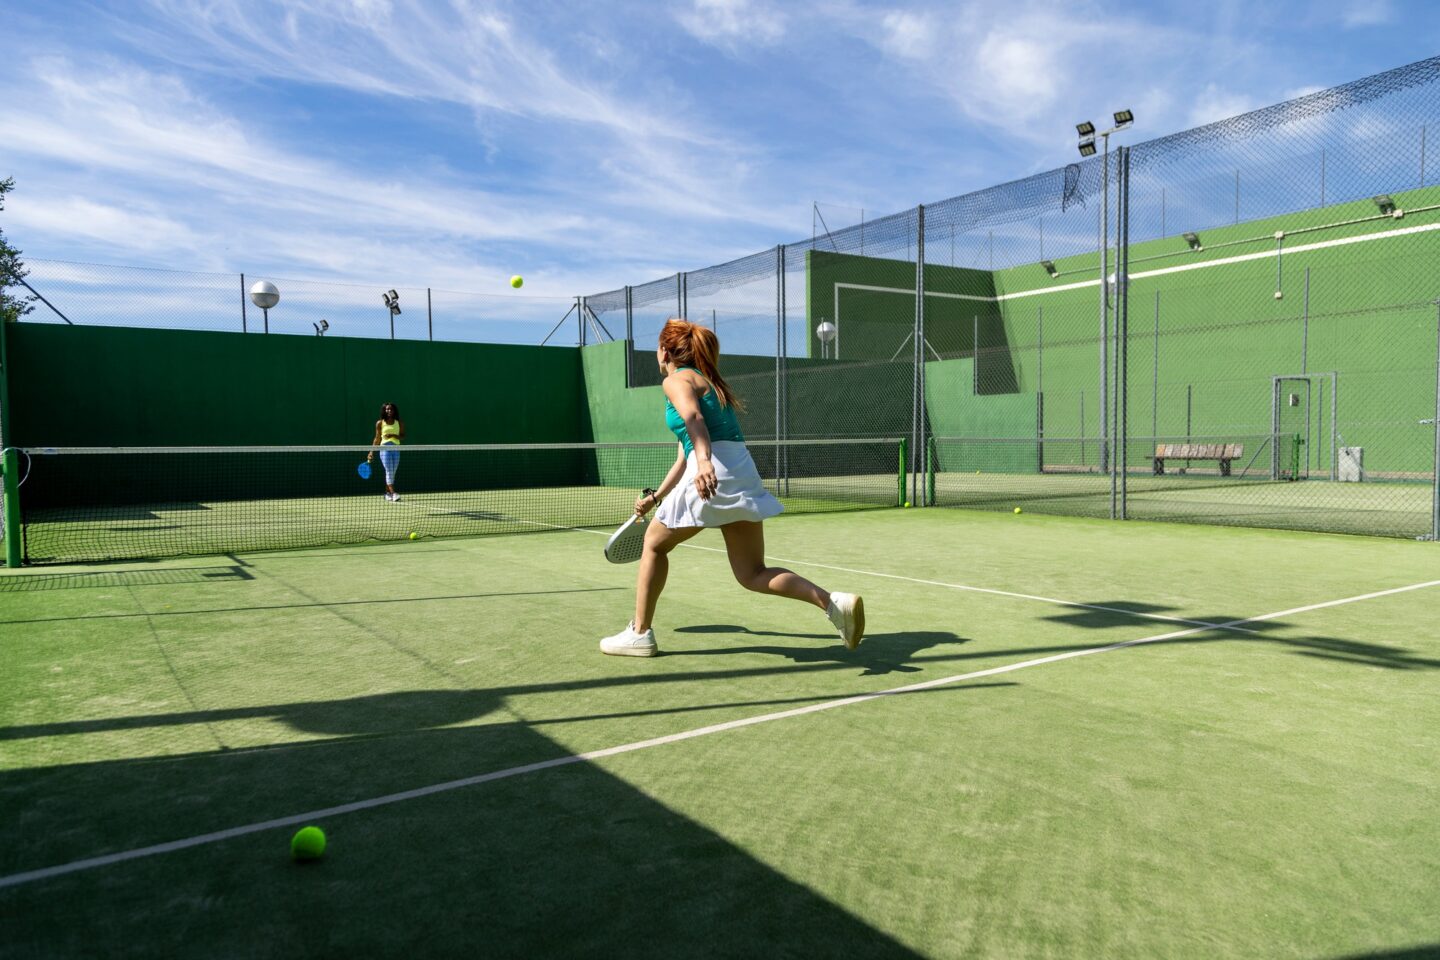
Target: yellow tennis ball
x=1017 y=509
x=414 y=535
x=308 y=844
x=517 y=281
x=907 y=503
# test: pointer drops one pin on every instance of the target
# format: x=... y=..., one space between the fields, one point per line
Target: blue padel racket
x=363 y=469
x=626 y=544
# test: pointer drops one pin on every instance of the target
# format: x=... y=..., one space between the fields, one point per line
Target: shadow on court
x=564 y=862
x=878 y=655
x=1358 y=652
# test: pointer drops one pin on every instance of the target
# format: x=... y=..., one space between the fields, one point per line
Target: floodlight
x=1123 y=118
x=1087 y=147
x=826 y=331
x=264 y=295
x=1086 y=129
x=1385 y=203
x=1194 y=240
x=392 y=300
x=1049 y=266
x=321 y=327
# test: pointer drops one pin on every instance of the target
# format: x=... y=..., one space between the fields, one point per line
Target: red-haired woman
x=713 y=483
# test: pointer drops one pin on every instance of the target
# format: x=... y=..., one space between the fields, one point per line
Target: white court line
x=310 y=816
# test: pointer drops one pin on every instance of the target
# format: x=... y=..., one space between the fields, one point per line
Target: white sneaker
x=630 y=643
x=847 y=612
x=394 y=498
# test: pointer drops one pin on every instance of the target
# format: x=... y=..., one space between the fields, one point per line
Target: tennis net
x=92 y=504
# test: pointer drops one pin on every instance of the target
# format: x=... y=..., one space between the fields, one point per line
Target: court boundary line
x=136 y=853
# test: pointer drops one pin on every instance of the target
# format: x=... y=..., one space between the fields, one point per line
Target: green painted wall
x=111 y=386
x=1222 y=333
x=104 y=386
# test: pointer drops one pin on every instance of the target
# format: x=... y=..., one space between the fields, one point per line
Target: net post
x=900 y=477
x=10 y=466
x=9 y=459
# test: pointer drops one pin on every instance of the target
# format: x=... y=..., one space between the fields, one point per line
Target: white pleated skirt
x=739 y=495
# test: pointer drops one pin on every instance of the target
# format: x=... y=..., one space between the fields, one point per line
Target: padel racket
x=363 y=469
x=625 y=544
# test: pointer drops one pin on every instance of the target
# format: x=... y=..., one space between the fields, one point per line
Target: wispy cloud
x=733 y=24
x=1368 y=13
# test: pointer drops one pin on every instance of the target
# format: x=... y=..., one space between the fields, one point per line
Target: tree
x=12 y=269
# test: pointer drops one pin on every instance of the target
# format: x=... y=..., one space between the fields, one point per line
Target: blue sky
x=588 y=145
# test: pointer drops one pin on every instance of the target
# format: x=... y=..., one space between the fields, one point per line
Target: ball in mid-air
x=1017 y=509
x=907 y=503
x=414 y=535
x=517 y=281
x=308 y=843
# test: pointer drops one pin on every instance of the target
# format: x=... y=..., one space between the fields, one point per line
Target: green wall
x=1222 y=333
x=112 y=386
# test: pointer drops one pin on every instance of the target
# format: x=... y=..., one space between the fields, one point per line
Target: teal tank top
x=719 y=421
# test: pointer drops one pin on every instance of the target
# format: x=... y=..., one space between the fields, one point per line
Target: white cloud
x=733 y=24
x=1214 y=103
x=1368 y=13
x=908 y=35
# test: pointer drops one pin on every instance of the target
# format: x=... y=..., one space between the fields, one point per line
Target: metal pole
x=1105 y=305
x=629 y=335
x=579 y=323
x=685 y=295
x=924 y=497
x=267 y=319
x=1123 y=269
x=784 y=374
x=779 y=327
x=974 y=356
x=680 y=295
x=392 y=324
x=1305 y=327
x=1040 y=353
x=244 y=323
x=429 y=316
x=1435 y=481
x=1155 y=376
x=12 y=533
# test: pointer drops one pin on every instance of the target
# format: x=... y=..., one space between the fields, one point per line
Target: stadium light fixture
x=1087 y=147
x=392 y=300
x=1086 y=129
x=321 y=327
x=265 y=295
x=1194 y=240
x=1049 y=266
x=1124 y=118
x=1386 y=204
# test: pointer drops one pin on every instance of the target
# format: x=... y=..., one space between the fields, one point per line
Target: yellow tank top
x=390 y=432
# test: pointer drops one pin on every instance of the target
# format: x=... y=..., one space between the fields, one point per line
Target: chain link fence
x=87 y=294
x=1236 y=324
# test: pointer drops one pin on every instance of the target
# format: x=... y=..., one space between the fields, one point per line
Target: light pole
x=392 y=302
x=265 y=295
x=1124 y=119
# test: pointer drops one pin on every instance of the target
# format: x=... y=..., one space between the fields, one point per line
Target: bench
x=1223 y=452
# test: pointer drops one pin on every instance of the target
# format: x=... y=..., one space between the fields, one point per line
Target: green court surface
x=1267 y=789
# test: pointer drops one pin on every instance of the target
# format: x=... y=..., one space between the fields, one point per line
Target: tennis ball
x=308 y=843
x=1017 y=509
x=907 y=503
x=517 y=281
x=414 y=535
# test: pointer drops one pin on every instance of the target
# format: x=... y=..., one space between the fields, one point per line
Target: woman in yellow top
x=389 y=431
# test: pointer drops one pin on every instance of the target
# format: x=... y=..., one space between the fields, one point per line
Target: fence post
x=918 y=377
x=974 y=356
x=1123 y=269
x=1435 y=480
x=429 y=316
x=629 y=333
x=244 y=319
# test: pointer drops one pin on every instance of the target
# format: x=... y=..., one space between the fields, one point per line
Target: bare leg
x=655 y=568
x=745 y=543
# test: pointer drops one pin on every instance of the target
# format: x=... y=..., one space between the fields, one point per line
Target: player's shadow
x=878 y=655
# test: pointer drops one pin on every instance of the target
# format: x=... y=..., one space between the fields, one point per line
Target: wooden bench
x=1223 y=452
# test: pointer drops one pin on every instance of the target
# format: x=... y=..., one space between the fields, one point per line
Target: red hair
x=691 y=345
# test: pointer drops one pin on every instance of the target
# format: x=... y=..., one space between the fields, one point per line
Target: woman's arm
x=684 y=396
x=374 y=441
x=677 y=470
